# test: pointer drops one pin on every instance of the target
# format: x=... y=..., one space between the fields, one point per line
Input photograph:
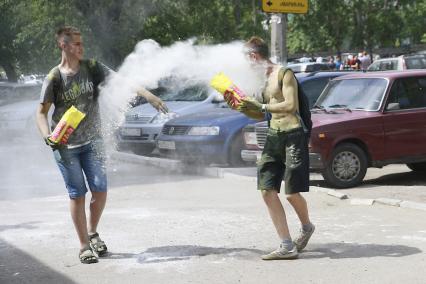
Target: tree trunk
x=237 y=11
x=254 y=9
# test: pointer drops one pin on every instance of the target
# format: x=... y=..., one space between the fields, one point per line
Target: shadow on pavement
x=408 y=178
x=18 y=267
x=27 y=226
x=354 y=250
x=405 y=179
x=184 y=252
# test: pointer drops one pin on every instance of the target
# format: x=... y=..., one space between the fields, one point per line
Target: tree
x=8 y=48
x=356 y=24
x=212 y=22
x=322 y=28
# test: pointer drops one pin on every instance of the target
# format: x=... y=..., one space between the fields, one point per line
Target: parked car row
x=143 y=124
x=17 y=109
x=360 y=120
x=200 y=128
x=363 y=120
x=16 y=92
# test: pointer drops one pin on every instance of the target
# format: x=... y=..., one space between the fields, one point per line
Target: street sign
x=285 y=6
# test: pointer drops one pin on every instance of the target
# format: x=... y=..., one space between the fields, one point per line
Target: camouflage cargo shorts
x=285 y=156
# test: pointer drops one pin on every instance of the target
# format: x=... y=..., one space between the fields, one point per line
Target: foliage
x=112 y=28
x=356 y=24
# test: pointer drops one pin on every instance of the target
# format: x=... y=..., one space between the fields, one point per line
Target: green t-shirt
x=79 y=90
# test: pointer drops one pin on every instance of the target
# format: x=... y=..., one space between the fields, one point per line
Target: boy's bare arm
x=41 y=119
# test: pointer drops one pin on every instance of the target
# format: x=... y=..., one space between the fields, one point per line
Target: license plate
x=131 y=132
x=169 y=145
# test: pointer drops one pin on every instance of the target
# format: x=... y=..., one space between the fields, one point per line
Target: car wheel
x=417 y=167
x=234 y=153
x=347 y=166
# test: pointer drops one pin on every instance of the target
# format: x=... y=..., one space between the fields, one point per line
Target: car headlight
x=162 y=118
x=204 y=130
x=250 y=138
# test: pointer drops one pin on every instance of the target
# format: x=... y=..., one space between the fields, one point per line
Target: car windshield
x=417 y=62
x=192 y=93
x=358 y=94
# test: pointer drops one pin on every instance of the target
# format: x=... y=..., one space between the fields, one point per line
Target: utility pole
x=278 y=22
x=279 y=38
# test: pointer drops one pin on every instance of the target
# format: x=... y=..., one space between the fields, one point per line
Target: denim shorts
x=87 y=162
x=285 y=156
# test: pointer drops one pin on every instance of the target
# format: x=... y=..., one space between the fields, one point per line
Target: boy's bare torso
x=283 y=121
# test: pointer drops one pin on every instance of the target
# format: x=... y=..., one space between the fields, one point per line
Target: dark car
x=308 y=67
x=203 y=138
x=369 y=120
x=313 y=84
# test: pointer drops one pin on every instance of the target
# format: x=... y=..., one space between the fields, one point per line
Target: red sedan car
x=366 y=120
x=369 y=120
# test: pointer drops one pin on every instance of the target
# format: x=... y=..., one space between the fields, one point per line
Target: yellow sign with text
x=285 y=6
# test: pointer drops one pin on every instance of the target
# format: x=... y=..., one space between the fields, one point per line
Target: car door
x=391 y=64
x=405 y=118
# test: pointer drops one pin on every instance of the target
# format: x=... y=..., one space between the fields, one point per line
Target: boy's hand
x=249 y=103
x=158 y=104
x=54 y=146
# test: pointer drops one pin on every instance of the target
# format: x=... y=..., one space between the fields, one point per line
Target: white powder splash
x=149 y=63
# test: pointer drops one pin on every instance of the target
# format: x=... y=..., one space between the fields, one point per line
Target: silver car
x=403 y=62
x=143 y=123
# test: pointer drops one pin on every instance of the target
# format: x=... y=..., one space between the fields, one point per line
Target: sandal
x=87 y=256
x=97 y=245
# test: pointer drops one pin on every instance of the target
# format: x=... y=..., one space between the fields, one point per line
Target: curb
x=171 y=166
x=362 y=201
x=388 y=201
x=216 y=172
x=413 y=205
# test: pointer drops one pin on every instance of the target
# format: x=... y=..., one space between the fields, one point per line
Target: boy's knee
x=293 y=197
x=269 y=195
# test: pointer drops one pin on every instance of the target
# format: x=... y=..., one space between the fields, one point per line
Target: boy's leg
x=97 y=205
x=93 y=164
x=277 y=213
x=286 y=249
x=299 y=204
x=296 y=181
x=78 y=216
x=68 y=161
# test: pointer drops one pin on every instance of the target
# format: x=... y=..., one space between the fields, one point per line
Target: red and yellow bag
x=232 y=94
x=66 y=126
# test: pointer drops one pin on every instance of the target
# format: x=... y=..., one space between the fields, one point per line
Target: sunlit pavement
x=209 y=230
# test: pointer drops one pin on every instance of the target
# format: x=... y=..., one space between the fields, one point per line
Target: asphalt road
x=210 y=230
x=162 y=227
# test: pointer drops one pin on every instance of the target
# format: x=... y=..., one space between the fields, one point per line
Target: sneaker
x=303 y=239
x=281 y=253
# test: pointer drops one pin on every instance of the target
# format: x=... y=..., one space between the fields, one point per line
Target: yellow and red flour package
x=232 y=94
x=66 y=126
